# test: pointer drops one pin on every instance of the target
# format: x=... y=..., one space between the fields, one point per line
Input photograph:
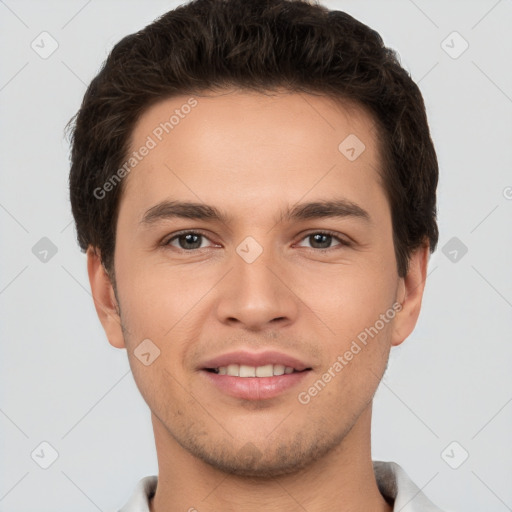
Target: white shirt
x=393 y=482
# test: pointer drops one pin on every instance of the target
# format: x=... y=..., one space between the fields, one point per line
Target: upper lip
x=255 y=359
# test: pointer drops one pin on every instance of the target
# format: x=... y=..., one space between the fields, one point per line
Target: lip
x=255 y=388
x=255 y=359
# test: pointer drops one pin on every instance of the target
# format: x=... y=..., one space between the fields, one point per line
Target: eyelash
x=342 y=242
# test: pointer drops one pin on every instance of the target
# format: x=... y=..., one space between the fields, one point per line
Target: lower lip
x=255 y=388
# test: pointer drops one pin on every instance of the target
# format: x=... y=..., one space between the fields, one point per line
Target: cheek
x=347 y=298
x=164 y=304
x=350 y=301
x=145 y=289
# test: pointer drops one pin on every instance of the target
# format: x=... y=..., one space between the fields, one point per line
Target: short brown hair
x=260 y=45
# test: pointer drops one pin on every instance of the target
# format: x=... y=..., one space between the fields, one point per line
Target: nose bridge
x=253 y=265
x=253 y=293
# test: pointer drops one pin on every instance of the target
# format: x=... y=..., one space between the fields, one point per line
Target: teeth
x=247 y=371
x=265 y=371
x=278 y=369
x=242 y=370
x=233 y=370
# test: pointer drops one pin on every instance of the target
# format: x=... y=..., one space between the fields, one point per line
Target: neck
x=343 y=480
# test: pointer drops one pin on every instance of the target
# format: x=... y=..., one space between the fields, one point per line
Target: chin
x=266 y=460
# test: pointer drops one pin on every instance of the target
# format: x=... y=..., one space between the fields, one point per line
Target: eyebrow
x=337 y=208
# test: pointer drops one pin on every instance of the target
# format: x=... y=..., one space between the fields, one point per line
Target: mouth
x=245 y=371
x=254 y=376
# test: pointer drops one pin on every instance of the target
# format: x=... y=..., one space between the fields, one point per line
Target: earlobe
x=410 y=294
x=104 y=298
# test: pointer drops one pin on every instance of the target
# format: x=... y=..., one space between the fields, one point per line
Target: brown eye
x=323 y=240
x=187 y=241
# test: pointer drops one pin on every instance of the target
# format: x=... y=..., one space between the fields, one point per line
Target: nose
x=257 y=294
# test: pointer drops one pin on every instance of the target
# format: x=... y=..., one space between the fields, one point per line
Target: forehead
x=232 y=144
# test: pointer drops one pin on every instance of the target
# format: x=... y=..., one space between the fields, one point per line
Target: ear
x=410 y=294
x=104 y=298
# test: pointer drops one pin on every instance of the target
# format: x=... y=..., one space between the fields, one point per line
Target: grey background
x=62 y=383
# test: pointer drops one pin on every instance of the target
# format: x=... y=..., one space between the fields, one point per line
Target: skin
x=252 y=156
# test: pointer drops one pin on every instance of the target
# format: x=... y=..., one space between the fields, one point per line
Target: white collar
x=392 y=480
x=395 y=484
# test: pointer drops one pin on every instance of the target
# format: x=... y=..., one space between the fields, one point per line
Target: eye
x=193 y=240
x=187 y=240
x=323 y=239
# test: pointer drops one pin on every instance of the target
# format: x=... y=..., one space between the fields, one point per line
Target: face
x=254 y=275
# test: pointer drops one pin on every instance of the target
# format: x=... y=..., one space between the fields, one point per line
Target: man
x=254 y=183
